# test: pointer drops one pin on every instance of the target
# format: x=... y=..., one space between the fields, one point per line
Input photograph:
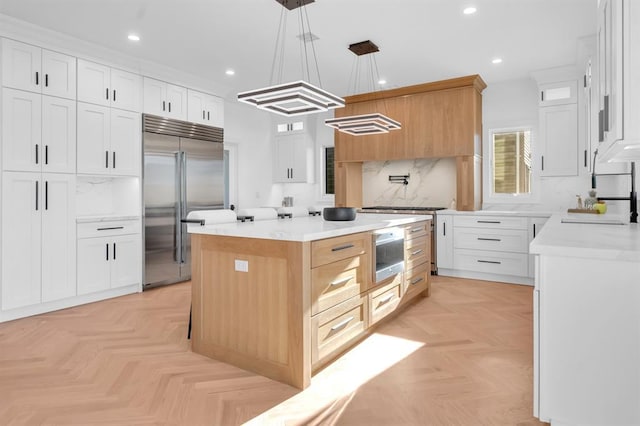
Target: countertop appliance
x=414 y=210
x=388 y=248
x=183 y=171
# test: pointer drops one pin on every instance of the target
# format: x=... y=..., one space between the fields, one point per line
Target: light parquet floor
x=460 y=357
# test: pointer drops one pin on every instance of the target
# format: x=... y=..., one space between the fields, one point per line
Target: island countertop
x=309 y=228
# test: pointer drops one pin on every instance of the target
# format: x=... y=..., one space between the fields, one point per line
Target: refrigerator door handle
x=178 y=211
x=183 y=204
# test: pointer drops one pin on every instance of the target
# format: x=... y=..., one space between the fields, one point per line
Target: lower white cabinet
x=535 y=226
x=444 y=241
x=107 y=258
x=38 y=238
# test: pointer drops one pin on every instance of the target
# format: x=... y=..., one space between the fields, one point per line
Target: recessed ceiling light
x=382 y=81
x=497 y=61
x=133 y=37
x=229 y=72
x=469 y=10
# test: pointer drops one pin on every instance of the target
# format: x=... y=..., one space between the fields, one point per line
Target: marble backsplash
x=432 y=182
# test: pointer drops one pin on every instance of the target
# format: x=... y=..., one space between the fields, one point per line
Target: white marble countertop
x=592 y=241
x=308 y=228
x=89 y=219
x=519 y=213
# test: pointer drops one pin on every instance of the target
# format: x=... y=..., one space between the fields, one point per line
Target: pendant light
x=365 y=124
x=297 y=97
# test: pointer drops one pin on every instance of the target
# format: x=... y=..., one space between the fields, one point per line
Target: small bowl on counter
x=339 y=213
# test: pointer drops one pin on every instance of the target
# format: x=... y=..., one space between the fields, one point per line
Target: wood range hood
x=439 y=119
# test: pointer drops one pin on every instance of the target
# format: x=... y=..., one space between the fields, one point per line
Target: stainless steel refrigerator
x=183 y=171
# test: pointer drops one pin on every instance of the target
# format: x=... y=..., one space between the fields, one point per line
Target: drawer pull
x=417 y=229
x=110 y=228
x=416 y=281
x=342 y=324
x=413 y=253
x=489 y=239
x=488 y=221
x=490 y=261
x=340 y=282
x=344 y=247
x=385 y=300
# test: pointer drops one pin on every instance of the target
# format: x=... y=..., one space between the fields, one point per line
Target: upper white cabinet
x=205 y=109
x=618 y=53
x=38 y=132
x=559 y=140
x=103 y=85
x=559 y=93
x=108 y=141
x=31 y=68
x=164 y=99
x=293 y=159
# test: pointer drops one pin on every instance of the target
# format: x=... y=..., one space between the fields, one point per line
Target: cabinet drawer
x=416 y=230
x=503 y=222
x=513 y=240
x=104 y=229
x=383 y=301
x=334 y=328
x=334 y=249
x=416 y=281
x=336 y=282
x=505 y=263
x=416 y=252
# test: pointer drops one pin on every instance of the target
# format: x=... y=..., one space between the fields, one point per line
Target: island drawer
x=511 y=240
x=384 y=300
x=333 y=329
x=416 y=281
x=498 y=222
x=336 y=282
x=417 y=229
x=338 y=248
x=107 y=228
x=503 y=263
x=416 y=252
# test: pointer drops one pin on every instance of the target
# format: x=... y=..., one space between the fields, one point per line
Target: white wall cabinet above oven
x=28 y=67
x=102 y=85
x=164 y=99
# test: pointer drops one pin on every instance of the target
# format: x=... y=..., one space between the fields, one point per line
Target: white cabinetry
x=109 y=256
x=108 y=141
x=205 y=109
x=558 y=120
x=103 y=85
x=38 y=238
x=164 y=99
x=535 y=226
x=31 y=68
x=618 y=53
x=38 y=132
x=293 y=158
x=444 y=241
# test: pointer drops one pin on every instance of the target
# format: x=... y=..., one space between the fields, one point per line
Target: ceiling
x=419 y=40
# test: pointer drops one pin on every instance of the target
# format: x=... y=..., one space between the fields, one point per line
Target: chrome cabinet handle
x=416 y=281
x=416 y=229
x=340 y=282
x=489 y=239
x=344 y=247
x=413 y=253
x=385 y=300
x=341 y=324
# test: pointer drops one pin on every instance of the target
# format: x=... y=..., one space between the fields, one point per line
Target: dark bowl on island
x=339 y=213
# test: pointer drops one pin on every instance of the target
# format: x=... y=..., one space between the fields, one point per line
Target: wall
x=432 y=182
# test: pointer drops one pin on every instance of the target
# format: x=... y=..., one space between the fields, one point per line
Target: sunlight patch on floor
x=332 y=388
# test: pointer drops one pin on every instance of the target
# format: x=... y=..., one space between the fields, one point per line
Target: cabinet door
x=155 y=96
x=93 y=139
x=535 y=226
x=58 y=236
x=93 y=83
x=58 y=135
x=125 y=143
x=126 y=90
x=21 y=234
x=612 y=96
x=176 y=102
x=59 y=74
x=291 y=158
x=214 y=108
x=94 y=263
x=126 y=264
x=559 y=140
x=282 y=159
x=444 y=241
x=21 y=64
x=21 y=130
x=196 y=107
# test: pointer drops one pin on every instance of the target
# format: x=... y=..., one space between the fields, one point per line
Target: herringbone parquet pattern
x=460 y=357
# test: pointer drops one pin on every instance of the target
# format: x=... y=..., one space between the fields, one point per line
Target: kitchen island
x=587 y=322
x=284 y=297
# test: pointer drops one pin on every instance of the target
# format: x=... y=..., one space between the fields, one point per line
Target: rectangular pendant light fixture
x=291 y=99
x=365 y=124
